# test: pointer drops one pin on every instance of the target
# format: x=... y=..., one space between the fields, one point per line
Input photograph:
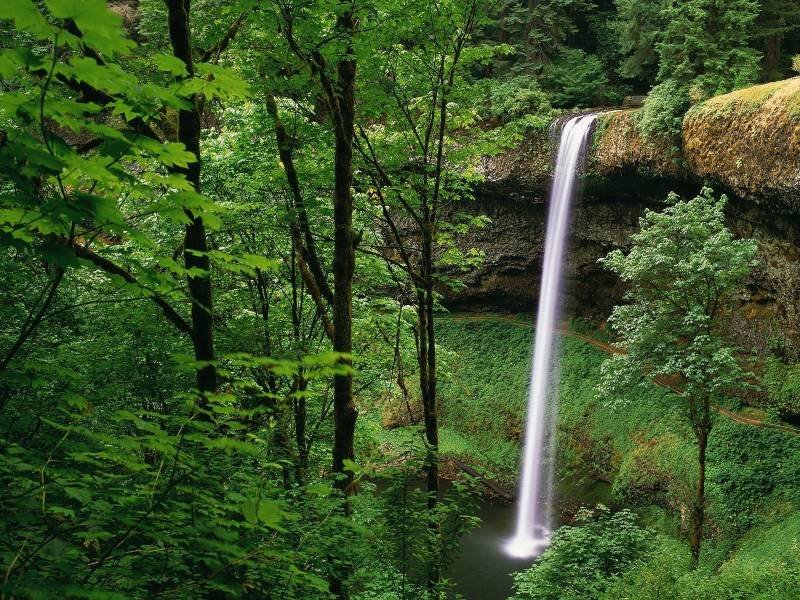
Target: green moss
x=782 y=383
x=748 y=100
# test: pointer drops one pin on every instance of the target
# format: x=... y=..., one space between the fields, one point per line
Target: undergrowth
x=641 y=445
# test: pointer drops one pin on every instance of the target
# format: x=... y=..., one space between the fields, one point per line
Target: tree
x=540 y=29
x=414 y=113
x=639 y=26
x=683 y=273
x=195 y=244
x=332 y=63
x=777 y=19
x=88 y=183
x=576 y=79
x=705 y=45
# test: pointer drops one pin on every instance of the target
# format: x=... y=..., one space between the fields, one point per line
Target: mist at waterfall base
x=534 y=509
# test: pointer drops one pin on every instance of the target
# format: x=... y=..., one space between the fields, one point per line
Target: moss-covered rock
x=620 y=148
x=749 y=141
x=530 y=164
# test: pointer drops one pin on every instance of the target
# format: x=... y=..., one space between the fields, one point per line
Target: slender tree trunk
x=427 y=364
x=195 y=241
x=428 y=373
x=699 y=504
x=300 y=420
x=344 y=410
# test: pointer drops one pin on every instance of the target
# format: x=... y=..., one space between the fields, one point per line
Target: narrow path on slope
x=608 y=348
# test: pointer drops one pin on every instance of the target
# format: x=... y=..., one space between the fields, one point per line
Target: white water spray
x=533 y=528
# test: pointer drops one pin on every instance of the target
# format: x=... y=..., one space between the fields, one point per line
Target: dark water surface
x=483 y=570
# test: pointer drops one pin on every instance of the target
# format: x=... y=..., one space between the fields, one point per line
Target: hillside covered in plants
x=270 y=278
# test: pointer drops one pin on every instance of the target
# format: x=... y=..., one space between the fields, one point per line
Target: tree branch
x=113 y=268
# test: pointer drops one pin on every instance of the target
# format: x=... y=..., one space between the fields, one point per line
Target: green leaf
x=170 y=64
x=101 y=29
x=26 y=16
x=80 y=494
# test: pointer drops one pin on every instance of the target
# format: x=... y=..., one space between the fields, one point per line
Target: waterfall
x=533 y=525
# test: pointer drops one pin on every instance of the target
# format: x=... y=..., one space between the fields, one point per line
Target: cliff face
x=624 y=176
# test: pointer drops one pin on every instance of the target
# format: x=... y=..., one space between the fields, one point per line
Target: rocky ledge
x=746 y=144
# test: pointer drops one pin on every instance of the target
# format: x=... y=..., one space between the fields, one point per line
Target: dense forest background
x=226 y=369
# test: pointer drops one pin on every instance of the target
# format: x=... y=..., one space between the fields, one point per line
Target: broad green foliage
x=520 y=100
x=683 y=271
x=584 y=559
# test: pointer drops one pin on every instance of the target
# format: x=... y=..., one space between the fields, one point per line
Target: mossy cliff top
x=747 y=142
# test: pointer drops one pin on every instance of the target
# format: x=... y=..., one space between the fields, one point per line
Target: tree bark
x=344 y=410
x=699 y=506
x=427 y=363
x=772 y=56
x=300 y=421
x=195 y=241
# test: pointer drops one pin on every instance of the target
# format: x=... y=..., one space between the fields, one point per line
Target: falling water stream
x=534 y=518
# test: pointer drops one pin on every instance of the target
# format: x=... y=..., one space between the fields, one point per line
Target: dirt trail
x=606 y=347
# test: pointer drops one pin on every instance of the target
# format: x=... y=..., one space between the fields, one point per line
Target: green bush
x=664 y=108
x=519 y=97
x=782 y=383
x=765 y=566
x=657 y=577
x=585 y=559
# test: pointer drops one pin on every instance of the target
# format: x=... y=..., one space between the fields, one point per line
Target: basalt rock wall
x=625 y=176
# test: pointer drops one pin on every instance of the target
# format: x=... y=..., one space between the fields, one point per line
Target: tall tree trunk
x=699 y=505
x=772 y=57
x=427 y=364
x=195 y=241
x=344 y=410
x=428 y=370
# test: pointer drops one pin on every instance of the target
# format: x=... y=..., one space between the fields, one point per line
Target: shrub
x=585 y=559
x=518 y=97
x=664 y=108
x=659 y=576
x=782 y=383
